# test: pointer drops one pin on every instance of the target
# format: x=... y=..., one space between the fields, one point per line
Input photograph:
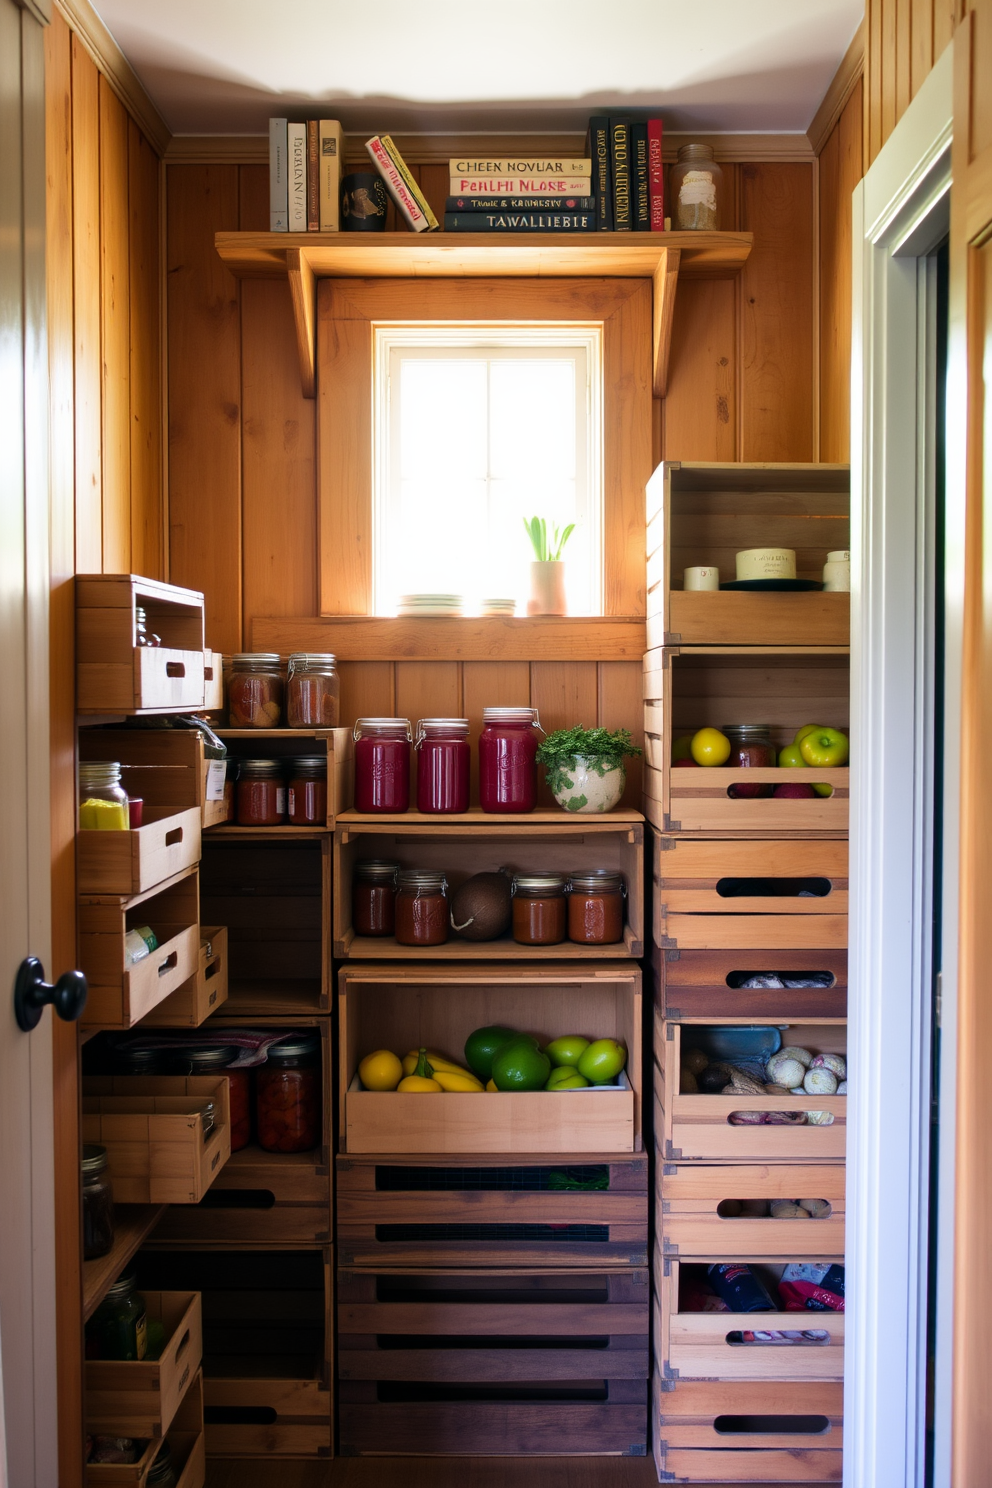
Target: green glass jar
x=119 y=1329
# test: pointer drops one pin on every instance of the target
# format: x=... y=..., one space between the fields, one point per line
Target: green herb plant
x=537 y=531
x=602 y=751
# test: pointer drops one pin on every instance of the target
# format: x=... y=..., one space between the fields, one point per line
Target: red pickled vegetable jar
x=307 y=796
x=261 y=793
x=421 y=907
x=443 y=764
x=373 y=897
x=595 y=907
x=507 y=763
x=382 y=764
x=287 y=1096
x=751 y=748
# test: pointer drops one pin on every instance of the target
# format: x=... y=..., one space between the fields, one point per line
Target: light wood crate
x=186 y=1443
x=204 y=993
x=704 y=986
x=116 y=675
x=691 y=687
x=286 y=744
x=142 y=1397
x=213 y=681
x=121 y=995
x=152 y=1128
x=407 y=1007
x=689 y=1196
x=697 y=1127
x=705 y=514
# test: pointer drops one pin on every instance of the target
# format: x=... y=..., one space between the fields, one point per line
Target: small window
x=476 y=429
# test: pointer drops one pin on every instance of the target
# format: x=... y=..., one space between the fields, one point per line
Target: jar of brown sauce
x=539 y=908
x=421 y=907
x=595 y=907
x=373 y=897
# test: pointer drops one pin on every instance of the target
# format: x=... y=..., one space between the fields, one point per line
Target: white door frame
x=901 y=213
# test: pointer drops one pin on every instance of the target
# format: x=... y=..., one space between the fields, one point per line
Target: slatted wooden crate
x=493 y=1363
x=158 y=1151
x=492 y=1211
x=204 y=993
x=116 y=675
x=142 y=1397
x=700 y=986
x=187 y=1450
x=121 y=995
x=285 y=744
x=693 y=1200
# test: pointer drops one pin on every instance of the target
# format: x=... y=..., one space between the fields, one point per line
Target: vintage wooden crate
x=121 y=995
x=213 y=681
x=705 y=514
x=738 y=1431
x=783 y=895
x=700 y=986
x=690 y=687
x=186 y=1443
x=497 y=1212
x=269 y=1418
x=524 y=1364
x=152 y=1128
x=141 y=1398
x=462 y=849
x=287 y=744
x=698 y=1127
x=194 y=1002
x=694 y=1204
x=405 y=1007
x=116 y=675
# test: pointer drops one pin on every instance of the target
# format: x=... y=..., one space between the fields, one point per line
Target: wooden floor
x=443 y=1472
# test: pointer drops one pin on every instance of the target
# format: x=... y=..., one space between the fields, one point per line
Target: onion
x=783 y=1069
x=795 y=1052
x=820 y=1082
x=834 y=1062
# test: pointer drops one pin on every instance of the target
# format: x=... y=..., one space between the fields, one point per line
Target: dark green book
x=599 y=152
x=623 y=217
x=639 y=194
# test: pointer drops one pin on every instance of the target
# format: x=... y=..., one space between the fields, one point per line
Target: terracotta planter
x=547 y=588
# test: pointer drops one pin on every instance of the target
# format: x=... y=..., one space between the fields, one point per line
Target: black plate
x=775 y=586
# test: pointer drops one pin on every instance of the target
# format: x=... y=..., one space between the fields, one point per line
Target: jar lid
x=533 y=884
x=376 y=870
x=140 y=1061
x=99 y=772
x=509 y=715
x=261 y=769
x=200 y=1059
x=94 y=1159
x=294 y=1048
x=842 y=555
x=747 y=730
x=312 y=661
x=245 y=660
x=430 y=879
x=308 y=762
x=601 y=880
x=696 y=152
x=428 y=728
x=382 y=726
x=123 y=1286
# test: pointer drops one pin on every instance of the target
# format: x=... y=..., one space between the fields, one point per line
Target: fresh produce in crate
x=499 y=1060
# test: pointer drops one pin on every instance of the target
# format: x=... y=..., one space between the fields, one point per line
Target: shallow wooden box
x=186 y=1441
x=204 y=993
x=691 y=687
x=406 y=1007
x=691 y=1195
x=141 y=1398
x=467 y=1397
x=697 y=1127
x=121 y=995
x=269 y=1418
x=213 y=681
x=705 y=514
x=403 y=1211
x=706 y=1431
x=152 y=1128
x=116 y=675
x=701 y=902
x=287 y=744
x=705 y=986
x=483 y=846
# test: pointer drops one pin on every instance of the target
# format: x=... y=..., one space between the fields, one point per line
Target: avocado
x=481 y=908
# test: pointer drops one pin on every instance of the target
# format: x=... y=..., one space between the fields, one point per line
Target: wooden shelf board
x=275 y=733
x=254 y=1156
x=263 y=833
x=487 y=1159
x=133 y=1223
x=274 y=999
x=556 y=817
x=368 y=948
x=455 y=638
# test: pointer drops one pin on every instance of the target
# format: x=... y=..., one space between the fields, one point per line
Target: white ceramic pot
x=547 y=588
x=590 y=786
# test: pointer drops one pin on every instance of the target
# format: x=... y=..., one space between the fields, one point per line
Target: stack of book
x=628 y=177
x=306 y=163
x=520 y=195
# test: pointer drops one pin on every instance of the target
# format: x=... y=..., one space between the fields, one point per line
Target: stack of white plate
x=498 y=607
x=430 y=604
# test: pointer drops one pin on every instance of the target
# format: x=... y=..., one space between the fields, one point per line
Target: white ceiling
x=223 y=66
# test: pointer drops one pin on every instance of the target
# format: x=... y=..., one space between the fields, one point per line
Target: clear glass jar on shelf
x=255 y=690
x=382 y=764
x=306 y=799
x=751 y=747
x=595 y=907
x=217 y=1060
x=313 y=690
x=373 y=897
x=508 y=759
x=695 y=190
x=421 y=907
x=443 y=765
x=119 y=1328
x=288 y=1096
x=261 y=793
x=102 y=798
x=539 y=908
x=98 y=1203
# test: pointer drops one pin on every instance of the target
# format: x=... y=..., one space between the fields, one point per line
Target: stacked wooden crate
x=744 y=886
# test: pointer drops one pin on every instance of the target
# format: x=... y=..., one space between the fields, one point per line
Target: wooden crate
x=701 y=986
x=116 y=675
x=186 y=1442
x=496 y=1212
x=738 y=1431
x=213 y=681
x=286 y=744
x=571 y=1380
x=204 y=993
x=269 y=1418
x=690 y=1197
x=690 y=687
x=701 y=897
x=406 y=1007
x=121 y=995
x=152 y=1128
x=141 y=1398
x=462 y=850
x=697 y=1127
x=704 y=515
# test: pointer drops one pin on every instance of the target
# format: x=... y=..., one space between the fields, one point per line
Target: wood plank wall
x=903 y=39
x=840 y=170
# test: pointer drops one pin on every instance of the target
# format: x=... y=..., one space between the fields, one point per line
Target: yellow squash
x=457 y=1082
x=436 y=1061
x=418 y=1085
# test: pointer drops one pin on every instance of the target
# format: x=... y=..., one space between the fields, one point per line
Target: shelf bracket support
x=303 y=293
x=665 y=279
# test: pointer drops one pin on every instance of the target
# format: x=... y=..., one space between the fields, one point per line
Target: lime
x=566 y=1077
x=566 y=1050
x=480 y=1047
x=520 y=1066
x=602 y=1061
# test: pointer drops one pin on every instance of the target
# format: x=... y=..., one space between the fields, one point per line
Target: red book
x=656 y=177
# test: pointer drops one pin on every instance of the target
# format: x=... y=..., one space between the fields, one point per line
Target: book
x=656 y=176
x=598 y=145
x=521 y=166
x=640 y=202
x=400 y=183
x=510 y=222
x=520 y=185
x=313 y=178
x=331 y=169
x=296 y=147
x=278 y=177
x=520 y=204
x=620 y=174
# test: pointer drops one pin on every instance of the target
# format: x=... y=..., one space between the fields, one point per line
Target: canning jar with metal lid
x=539 y=908
x=595 y=907
x=255 y=690
x=751 y=747
x=307 y=794
x=217 y=1060
x=695 y=188
x=382 y=764
x=102 y=798
x=313 y=690
x=288 y=1095
x=507 y=759
x=373 y=897
x=98 y=1203
x=421 y=907
x=131 y=1059
x=443 y=764
x=261 y=793
x=119 y=1329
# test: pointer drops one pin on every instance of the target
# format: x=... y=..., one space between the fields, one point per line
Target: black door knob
x=32 y=994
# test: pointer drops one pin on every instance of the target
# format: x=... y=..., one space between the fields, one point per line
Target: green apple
x=566 y=1077
x=602 y=1061
x=824 y=748
x=566 y=1050
x=822 y=789
x=790 y=758
x=680 y=749
x=808 y=728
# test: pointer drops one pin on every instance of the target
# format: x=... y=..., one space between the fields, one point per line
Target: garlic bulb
x=793 y=1051
x=842 y=1088
x=819 y=1118
x=783 y=1069
x=820 y=1082
x=835 y=1062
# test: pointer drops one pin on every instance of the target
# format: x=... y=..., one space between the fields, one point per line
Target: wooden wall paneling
x=491 y=684
x=621 y=705
x=564 y=693
x=115 y=311
x=344 y=454
x=145 y=373
x=626 y=450
x=904 y=54
x=204 y=396
x=921 y=44
x=433 y=182
x=777 y=386
x=943 y=24
x=253 y=198
x=889 y=44
x=840 y=171
x=86 y=309
x=428 y=689
x=701 y=406
x=873 y=72
x=367 y=690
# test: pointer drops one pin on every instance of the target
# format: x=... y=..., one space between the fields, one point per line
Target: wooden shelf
x=133 y=1223
x=303 y=258
x=385 y=948
x=453 y=638
x=247 y=834
x=492 y=821
x=274 y=999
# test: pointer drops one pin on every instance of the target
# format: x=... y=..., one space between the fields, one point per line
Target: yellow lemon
x=418 y=1085
x=380 y=1070
x=710 y=747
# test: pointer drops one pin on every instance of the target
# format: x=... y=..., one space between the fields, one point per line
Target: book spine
x=278 y=177
x=541 y=166
x=510 y=222
x=640 y=198
x=520 y=204
x=395 y=184
x=411 y=184
x=296 y=135
x=313 y=178
x=599 y=149
x=331 y=146
x=520 y=186
x=656 y=177
x=620 y=174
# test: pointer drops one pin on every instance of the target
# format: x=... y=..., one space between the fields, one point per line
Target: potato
x=816 y=1208
x=694 y=1060
x=786 y=1209
x=687 y=1082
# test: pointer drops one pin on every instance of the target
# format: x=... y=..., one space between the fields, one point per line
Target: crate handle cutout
x=183 y=1346
x=731 y=1209
x=213 y=967
x=772 y=1425
x=238 y=1198
x=748 y=792
x=782 y=979
x=397 y=1392
x=406 y=1289
x=773 y=888
x=175 y=669
x=737 y=1338
x=174 y=837
x=406 y=1341
x=780 y=1118
x=169 y=963
x=591 y=1177
x=239 y=1415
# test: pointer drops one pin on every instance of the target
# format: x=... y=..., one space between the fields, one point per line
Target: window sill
x=489 y=638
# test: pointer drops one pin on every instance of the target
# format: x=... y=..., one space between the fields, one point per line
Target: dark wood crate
x=692 y=985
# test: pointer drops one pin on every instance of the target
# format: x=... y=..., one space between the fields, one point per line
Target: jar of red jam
x=255 y=690
x=313 y=690
x=421 y=907
x=382 y=764
x=507 y=763
x=751 y=747
x=306 y=799
x=287 y=1096
x=261 y=793
x=443 y=764
x=373 y=897
x=595 y=907
x=539 y=909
